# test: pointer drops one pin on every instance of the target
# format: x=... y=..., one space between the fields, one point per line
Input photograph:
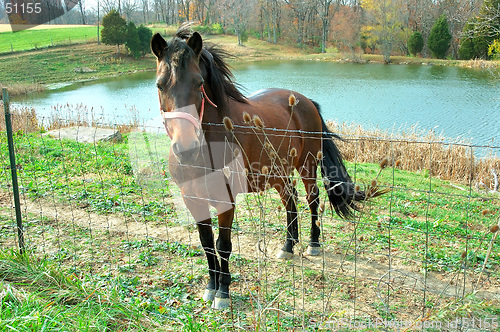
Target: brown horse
x=224 y=144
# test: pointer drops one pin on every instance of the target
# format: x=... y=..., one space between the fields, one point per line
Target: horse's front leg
x=200 y=211
x=224 y=248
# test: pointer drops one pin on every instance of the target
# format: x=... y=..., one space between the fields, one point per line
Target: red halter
x=183 y=115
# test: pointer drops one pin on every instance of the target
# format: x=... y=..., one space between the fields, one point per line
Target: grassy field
x=108 y=238
x=43 y=38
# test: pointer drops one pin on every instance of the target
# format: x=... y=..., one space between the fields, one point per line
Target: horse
x=224 y=144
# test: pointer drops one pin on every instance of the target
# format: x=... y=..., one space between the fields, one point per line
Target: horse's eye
x=160 y=88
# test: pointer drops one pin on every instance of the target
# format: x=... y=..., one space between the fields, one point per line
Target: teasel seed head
x=268 y=145
x=228 y=123
x=318 y=223
x=294 y=182
x=374 y=183
x=265 y=170
x=321 y=208
x=464 y=254
x=268 y=186
x=494 y=228
x=292 y=101
x=280 y=208
x=357 y=188
x=273 y=155
x=319 y=155
x=236 y=153
x=247 y=118
x=384 y=163
x=398 y=163
x=293 y=152
x=485 y=212
x=257 y=121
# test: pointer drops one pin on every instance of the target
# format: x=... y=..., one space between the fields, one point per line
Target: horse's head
x=180 y=89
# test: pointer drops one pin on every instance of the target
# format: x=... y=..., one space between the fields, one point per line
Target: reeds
x=416 y=150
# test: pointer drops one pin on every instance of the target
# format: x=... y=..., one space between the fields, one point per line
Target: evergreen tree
x=439 y=38
x=132 y=40
x=114 y=29
x=416 y=43
x=145 y=35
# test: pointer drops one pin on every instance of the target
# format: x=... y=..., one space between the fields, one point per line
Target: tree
x=114 y=29
x=132 y=40
x=145 y=34
x=416 y=43
x=386 y=23
x=439 y=38
x=480 y=32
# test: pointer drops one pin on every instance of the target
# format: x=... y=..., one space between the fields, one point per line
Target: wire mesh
x=109 y=212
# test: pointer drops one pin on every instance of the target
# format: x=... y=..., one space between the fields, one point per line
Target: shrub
x=439 y=38
x=145 y=34
x=416 y=43
x=133 y=43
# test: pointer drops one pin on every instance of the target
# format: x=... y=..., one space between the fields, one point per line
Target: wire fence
x=425 y=255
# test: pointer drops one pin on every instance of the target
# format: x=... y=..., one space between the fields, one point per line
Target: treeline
x=388 y=27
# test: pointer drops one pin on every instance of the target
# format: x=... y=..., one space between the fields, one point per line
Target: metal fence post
x=13 y=169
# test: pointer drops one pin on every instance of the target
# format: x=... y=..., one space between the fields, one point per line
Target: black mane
x=219 y=75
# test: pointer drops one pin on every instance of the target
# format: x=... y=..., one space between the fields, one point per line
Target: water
x=454 y=102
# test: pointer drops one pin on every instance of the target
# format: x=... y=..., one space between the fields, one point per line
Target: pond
x=452 y=101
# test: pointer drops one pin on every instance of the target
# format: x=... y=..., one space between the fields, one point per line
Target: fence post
x=13 y=169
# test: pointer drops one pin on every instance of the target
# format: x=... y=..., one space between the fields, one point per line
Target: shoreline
x=37 y=70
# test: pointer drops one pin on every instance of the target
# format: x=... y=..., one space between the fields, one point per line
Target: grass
x=93 y=213
x=41 y=38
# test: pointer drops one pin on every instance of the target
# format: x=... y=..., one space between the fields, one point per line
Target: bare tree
x=239 y=14
x=129 y=7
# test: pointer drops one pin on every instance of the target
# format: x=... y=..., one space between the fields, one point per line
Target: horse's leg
x=224 y=248
x=289 y=198
x=199 y=210
x=312 y=190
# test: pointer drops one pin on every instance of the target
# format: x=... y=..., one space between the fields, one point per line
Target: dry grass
x=416 y=150
x=16 y=89
x=8 y=27
x=413 y=150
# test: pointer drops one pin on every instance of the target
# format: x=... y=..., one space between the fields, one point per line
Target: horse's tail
x=339 y=186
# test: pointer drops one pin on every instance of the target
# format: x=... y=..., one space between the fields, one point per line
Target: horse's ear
x=196 y=43
x=158 y=45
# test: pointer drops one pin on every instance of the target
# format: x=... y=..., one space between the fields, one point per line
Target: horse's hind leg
x=308 y=175
x=289 y=198
x=312 y=190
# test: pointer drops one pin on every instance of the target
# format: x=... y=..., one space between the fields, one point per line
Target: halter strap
x=183 y=115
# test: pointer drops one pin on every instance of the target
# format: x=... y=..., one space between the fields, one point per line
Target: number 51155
x=23 y=8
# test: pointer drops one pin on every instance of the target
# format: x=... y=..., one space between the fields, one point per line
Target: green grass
x=42 y=38
x=150 y=278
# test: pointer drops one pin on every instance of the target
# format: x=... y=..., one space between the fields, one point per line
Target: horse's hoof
x=285 y=255
x=209 y=295
x=313 y=251
x=221 y=303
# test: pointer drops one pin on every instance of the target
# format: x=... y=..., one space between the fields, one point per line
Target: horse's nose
x=186 y=153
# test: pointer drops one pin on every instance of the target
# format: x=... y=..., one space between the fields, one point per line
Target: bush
x=439 y=38
x=133 y=43
x=145 y=34
x=416 y=43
